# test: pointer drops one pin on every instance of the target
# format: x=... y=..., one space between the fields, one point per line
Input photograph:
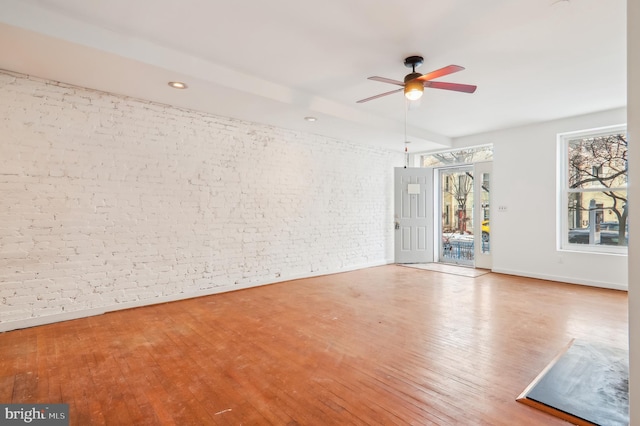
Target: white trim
x=561 y=279
x=601 y=189
x=596 y=131
x=50 y=319
x=609 y=250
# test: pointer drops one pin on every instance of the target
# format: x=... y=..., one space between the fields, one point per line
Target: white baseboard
x=67 y=316
x=569 y=280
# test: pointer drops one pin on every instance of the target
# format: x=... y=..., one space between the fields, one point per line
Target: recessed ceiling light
x=178 y=85
x=311 y=118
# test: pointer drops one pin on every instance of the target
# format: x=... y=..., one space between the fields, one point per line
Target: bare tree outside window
x=596 y=185
x=459 y=189
x=461 y=156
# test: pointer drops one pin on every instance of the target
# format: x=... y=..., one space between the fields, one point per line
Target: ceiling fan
x=414 y=82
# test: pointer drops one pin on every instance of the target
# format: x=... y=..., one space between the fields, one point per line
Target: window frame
x=479 y=148
x=564 y=191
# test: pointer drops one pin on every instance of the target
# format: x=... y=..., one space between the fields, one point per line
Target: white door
x=481 y=213
x=414 y=215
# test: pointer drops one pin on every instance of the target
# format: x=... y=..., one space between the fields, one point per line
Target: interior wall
x=523 y=237
x=633 y=105
x=111 y=202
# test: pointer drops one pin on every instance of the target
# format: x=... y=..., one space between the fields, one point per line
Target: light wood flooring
x=381 y=346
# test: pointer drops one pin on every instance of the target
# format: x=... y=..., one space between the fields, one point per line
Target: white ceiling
x=277 y=61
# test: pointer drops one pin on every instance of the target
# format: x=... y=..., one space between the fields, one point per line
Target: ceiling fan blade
x=466 y=88
x=439 y=73
x=387 y=80
x=379 y=96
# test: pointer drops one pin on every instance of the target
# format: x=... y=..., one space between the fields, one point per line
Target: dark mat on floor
x=587 y=383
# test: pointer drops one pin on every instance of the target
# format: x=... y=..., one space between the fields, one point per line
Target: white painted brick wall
x=110 y=202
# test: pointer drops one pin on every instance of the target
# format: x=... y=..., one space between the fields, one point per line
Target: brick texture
x=110 y=202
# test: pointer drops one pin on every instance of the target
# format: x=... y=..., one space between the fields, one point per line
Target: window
x=593 y=190
x=460 y=156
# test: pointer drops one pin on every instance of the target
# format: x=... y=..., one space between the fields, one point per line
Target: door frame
x=482 y=259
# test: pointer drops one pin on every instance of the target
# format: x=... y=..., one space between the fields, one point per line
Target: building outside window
x=593 y=190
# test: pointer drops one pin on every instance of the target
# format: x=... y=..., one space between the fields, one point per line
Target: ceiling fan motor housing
x=411 y=76
x=413 y=88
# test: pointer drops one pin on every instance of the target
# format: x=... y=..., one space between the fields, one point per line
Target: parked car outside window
x=485 y=231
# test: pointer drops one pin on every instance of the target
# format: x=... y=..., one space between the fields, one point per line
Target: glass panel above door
x=457 y=157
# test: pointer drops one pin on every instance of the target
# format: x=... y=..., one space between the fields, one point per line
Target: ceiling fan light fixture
x=413 y=94
x=413 y=89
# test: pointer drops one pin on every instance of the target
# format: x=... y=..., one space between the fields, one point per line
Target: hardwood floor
x=387 y=345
